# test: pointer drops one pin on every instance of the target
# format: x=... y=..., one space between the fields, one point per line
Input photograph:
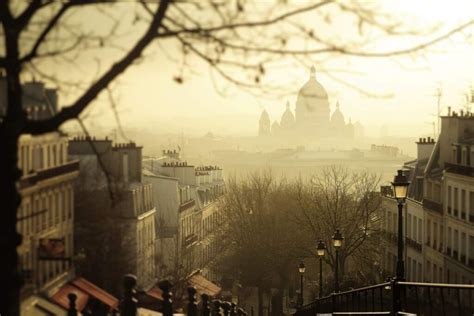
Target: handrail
x=391 y=298
x=439 y=285
x=370 y=287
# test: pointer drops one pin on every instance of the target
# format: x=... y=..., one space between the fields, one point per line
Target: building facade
x=186 y=197
x=46 y=214
x=439 y=213
x=115 y=222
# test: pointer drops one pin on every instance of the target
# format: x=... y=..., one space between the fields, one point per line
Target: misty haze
x=236 y=157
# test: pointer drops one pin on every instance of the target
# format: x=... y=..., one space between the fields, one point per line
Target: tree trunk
x=260 y=300
x=10 y=131
x=9 y=238
x=277 y=303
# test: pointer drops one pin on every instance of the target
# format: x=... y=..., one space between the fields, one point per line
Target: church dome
x=312 y=88
x=337 y=119
x=287 y=119
x=264 y=117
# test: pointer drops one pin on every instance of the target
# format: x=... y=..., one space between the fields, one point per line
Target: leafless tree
x=334 y=199
x=258 y=233
x=238 y=39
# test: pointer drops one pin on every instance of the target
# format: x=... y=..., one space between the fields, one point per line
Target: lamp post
x=400 y=188
x=301 y=269
x=337 y=243
x=321 y=250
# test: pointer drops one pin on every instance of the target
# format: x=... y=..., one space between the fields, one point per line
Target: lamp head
x=301 y=267
x=321 y=249
x=400 y=186
x=337 y=239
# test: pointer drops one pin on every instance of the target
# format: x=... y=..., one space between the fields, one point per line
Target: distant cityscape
x=80 y=192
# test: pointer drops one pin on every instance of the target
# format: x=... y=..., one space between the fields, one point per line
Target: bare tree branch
x=51 y=24
x=72 y=111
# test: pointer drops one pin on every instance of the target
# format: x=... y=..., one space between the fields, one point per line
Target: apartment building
x=45 y=217
x=115 y=222
x=186 y=198
x=439 y=213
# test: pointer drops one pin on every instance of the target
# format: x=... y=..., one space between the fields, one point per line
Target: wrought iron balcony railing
x=432 y=205
x=415 y=245
x=460 y=169
x=396 y=298
x=41 y=175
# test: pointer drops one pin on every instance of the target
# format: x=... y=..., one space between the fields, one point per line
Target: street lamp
x=400 y=188
x=337 y=243
x=321 y=250
x=301 y=269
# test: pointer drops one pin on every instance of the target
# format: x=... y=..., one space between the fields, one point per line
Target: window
x=420 y=272
x=449 y=199
x=456 y=243
x=420 y=225
x=44 y=213
x=471 y=249
x=463 y=204
x=456 y=202
x=428 y=271
x=414 y=270
x=413 y=236
x=441 y=237
x=435 y=233
x=59 y=202
x=471 y=206
x=428 y=233
x=450 y=242
x=409 y=227
x=462 y=251
x=50 y=210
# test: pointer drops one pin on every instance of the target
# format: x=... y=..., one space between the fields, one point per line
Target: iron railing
x=432 y=205
x=460 y=169
x=129 y=304
x=414 y=297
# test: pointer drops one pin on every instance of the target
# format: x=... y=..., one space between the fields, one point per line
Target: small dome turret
x=337 y=119
x=287 y=119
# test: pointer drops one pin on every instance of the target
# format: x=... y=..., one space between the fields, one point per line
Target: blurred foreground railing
x=381 y=299
x=129 y=303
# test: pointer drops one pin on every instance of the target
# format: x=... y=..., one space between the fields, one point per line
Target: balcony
x=190 y=240
x=433 y=206
x=460 y=169
x=41 y=175
x=413 y=244
x=188 y=204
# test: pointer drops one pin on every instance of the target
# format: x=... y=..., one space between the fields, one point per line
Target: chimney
x=424 y=148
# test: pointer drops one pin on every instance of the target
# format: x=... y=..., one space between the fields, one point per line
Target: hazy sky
x=150 y=98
